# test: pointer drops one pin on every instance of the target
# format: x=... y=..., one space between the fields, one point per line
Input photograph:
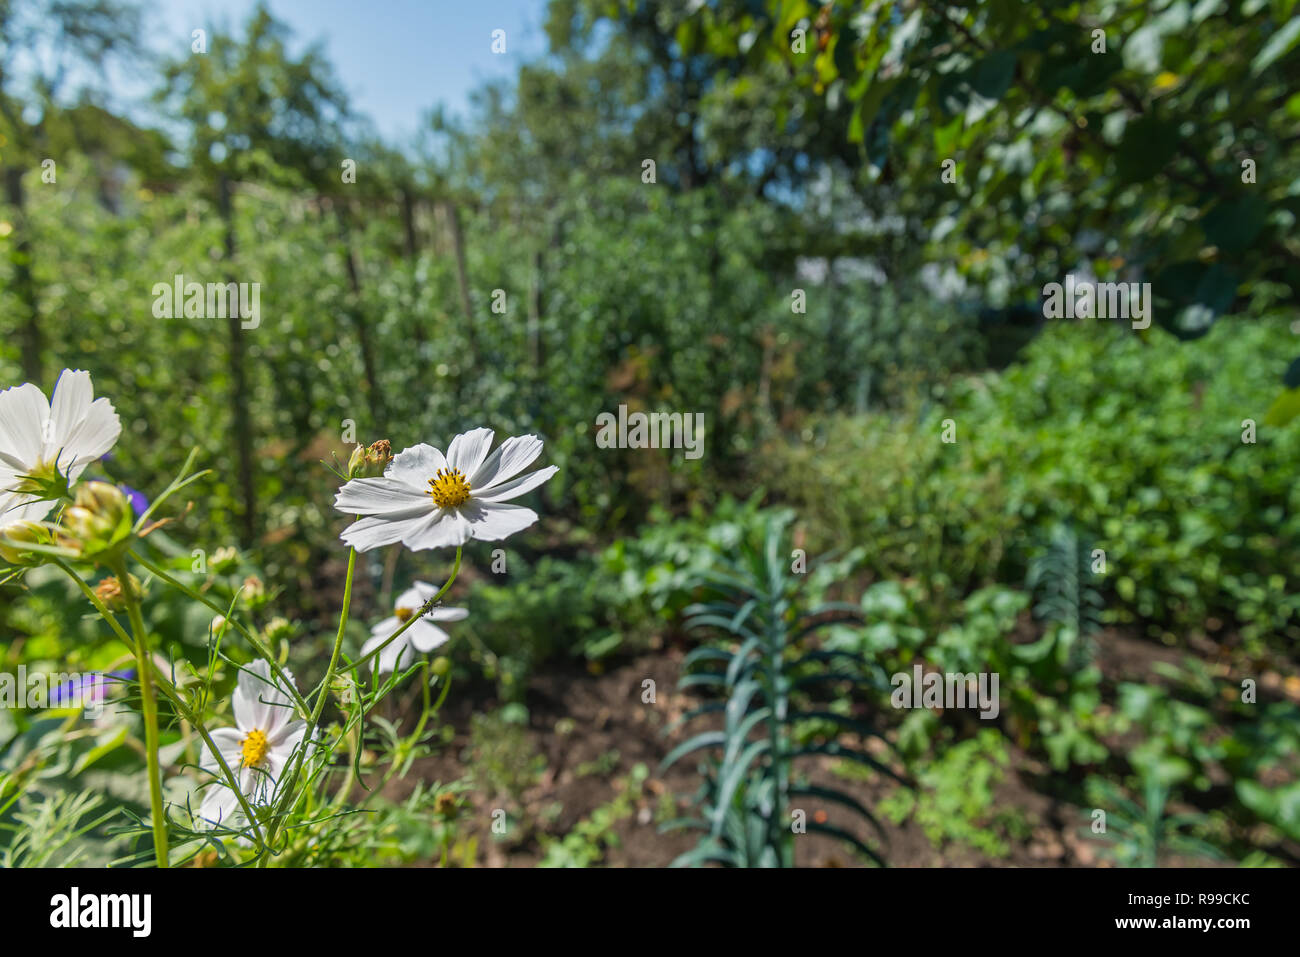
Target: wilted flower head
x=110 y=591
x=425 y=500
x=370 y=462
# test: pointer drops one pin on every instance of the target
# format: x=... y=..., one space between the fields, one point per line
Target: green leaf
x=1233 y=224
x=1278 y=45
x=993 y=76
x=1149 y=143
x=706 y=739
x=1284 y=409
x=847 y=838
x=838 y=797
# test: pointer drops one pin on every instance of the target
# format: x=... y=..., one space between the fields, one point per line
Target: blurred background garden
x=827 y=228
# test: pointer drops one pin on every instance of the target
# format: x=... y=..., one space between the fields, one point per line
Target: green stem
x=322 y=695
x=149 y=706
x=426 y=712
x=258 y=645
x=172 y=695
x=338 y=643
x=323 y=692
x=420 y=613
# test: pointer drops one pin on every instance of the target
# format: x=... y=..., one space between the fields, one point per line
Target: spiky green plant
x=1062 y=580
x=765 y=679
x=1137 y=834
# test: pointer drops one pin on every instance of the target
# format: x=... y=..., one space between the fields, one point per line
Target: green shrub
x=1136 y=441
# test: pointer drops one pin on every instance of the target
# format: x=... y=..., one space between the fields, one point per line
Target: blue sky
x=395 y=58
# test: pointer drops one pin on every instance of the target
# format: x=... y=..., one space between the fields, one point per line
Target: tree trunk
x=369 y=368
x=412 y=256
x=31 y=341
x=535 y=356
x=241 y=421
x=462 y=273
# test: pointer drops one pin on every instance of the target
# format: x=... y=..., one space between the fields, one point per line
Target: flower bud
x=224 y=559
x=278 y=629
x=370 y=462
x=17 y=534
x=100 y=520
x=253 y=592
x=441 y=666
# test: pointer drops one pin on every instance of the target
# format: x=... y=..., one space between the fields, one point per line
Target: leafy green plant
x=954 y=801
x=767 y=725
x=506 y=763
x=589 y=840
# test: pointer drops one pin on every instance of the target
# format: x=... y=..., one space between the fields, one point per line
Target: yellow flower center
x=254 y=748
x=449 y=488
x=404 y=614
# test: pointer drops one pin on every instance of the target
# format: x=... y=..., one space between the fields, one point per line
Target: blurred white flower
x=426 y=501
x=423 y=636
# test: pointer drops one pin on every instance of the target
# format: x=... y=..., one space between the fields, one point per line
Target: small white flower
x=267 y=732
x=48 y=439
x=427 y=501
x=422 y=636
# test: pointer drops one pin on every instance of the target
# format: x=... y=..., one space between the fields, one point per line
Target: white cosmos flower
x=266 y=733
x=50 y=438
x=425 y=500
x=423 y=636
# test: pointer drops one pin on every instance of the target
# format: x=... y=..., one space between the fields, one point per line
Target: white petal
x=446 y=528
x=258 y=785
x=228 y=741
x=284 y=741
x=515 y=487
x=425 y=637
x=94 y=436
x=388 y=658
x=385 y=628
x=382 y=496
x=69 y=405
x=376 y=639
x=448 y=614
x=219 y=805
x=493 y=521
x=416 y=465
x=416 y=595
x=468 y=451
x=368 y=533
x=24 y=412
x=258 y=703
x=22 y=508
x=515 y=455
